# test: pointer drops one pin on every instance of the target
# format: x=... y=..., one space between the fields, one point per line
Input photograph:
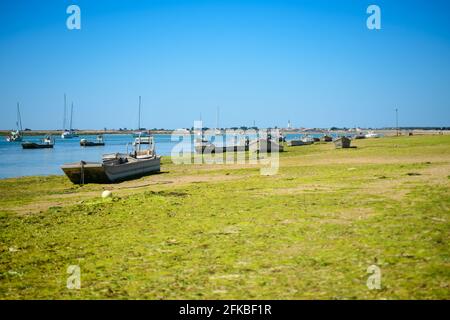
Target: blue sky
x=313 y=62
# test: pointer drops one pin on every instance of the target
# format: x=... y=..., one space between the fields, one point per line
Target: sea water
x=17 y=162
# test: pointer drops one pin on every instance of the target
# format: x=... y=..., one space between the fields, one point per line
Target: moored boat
x=86 y=143
x=142 y=140
x=46 y=143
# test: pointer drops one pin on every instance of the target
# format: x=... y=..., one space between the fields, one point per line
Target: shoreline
x=385 y=132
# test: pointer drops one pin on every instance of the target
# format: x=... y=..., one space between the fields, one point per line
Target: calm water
x=16 y=162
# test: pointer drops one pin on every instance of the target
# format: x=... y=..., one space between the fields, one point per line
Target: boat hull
x=32 y=145
x=88 y=172
x=92 y=144
x=131 y=170
x=296 y=143
x=210 y=148
x=343 y=142
x=96 y=172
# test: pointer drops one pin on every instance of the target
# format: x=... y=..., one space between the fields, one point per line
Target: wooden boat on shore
x=342 y=142
x=114 y=167
x=305 y=141
x=264 y=145
x=296 y=143
x=204 y=146
x=327 y=138
x=211 y=148
x=46 y=143
x=87 y=143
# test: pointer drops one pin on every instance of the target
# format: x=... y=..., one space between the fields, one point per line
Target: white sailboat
x=68 y=134
x=16 y=136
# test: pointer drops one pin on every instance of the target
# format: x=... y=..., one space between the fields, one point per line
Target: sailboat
x=68 y=134
x=139 y=133
x=16 y=136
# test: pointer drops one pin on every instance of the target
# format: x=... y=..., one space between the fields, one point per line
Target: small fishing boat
x=342 y=142
x=46 y=143
x=97 y=143
x=115 y=167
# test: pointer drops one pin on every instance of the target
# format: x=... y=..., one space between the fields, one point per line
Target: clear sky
x=313 y=62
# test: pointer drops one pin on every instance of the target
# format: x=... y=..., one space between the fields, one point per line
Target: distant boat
x=114 y=167
x=86 y=143
x=46 y=143
x=142 y=140
x=203 y=147
x=308 y=139
x=327 y=138
x=342 y=142
x=16 y=136
x=264 y=145
x=68 y=134
x=296 y=143
x=304 y=141
x=372 y=134
x=140 y=133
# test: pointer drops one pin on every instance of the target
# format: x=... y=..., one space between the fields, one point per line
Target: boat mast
x=71 y=114
x=217 y=118
x=139 y=116
x=396 y=121
x=19 y=118
x=65 y=111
